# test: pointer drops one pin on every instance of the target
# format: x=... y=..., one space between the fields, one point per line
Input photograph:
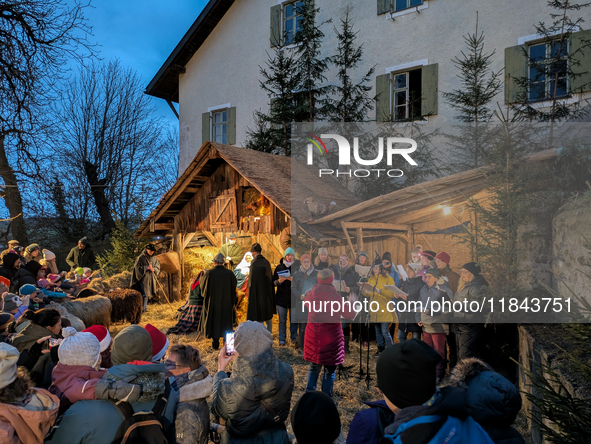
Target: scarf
x=288 y=264
x=309 y=271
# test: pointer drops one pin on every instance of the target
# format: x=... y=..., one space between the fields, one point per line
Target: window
x=547 y=70
x=406 y=95
x=220 y=126
x=292 y=21
x=399 y=5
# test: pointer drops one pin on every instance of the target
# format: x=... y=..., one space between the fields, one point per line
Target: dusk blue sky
x=142 y=34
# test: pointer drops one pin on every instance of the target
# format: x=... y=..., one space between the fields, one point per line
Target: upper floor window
x=406 y=95
x=292 y=21
x=548 y=70
x=400 y=5
x=220 y=126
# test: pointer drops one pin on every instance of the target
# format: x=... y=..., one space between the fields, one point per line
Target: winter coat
x=453 y=278
x=471 y=291
x=96 y=422
x=28 y=423
x=7 y=270
x=367 y=426
x=412 y=287
x=382 y=314
x=22 y=277
x=81 y=258
x=349 y=275
x=237 y=399
x=283 y=293
x=393 y=273
x=41 y=372
x=431 y=323
x=302 y=282
x=142 y=279
x=473 y=389
x=29 y=335
x=73 y=383
x=324 y=341
x=321 y=265
x=261 y=293
x=192 y=420
x=232 y=251
x=218 y=287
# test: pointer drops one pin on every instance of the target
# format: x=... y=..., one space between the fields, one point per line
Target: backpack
x=149 y=427
x=438 y=429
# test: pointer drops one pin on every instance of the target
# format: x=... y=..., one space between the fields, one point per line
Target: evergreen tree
x=124 y=250
x=552 y=69
x=311 y=68
x=479 y=85
x=350 y=102
x=272 y=131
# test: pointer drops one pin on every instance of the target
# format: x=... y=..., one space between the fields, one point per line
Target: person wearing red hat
x=159 y=342
x=442 y=261
x=105 y=341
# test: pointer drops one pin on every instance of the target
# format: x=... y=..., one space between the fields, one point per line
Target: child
x=78 y=376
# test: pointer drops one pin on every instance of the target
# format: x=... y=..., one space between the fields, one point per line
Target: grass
x=348 y=393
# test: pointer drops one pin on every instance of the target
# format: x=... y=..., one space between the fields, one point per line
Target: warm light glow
x=446 y=210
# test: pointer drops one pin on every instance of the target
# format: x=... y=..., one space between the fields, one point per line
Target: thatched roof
x=276 y=177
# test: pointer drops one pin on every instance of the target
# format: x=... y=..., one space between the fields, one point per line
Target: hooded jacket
x=192 y=420
x=96 y=422
x=473 y=389
x=72 y=383
x=237 y=399
x=30 y=423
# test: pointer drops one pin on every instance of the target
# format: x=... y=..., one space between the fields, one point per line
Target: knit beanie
x=9 y=259
x=133 y=343
x=322 y=250
x=159 y=342
x=102 y=334
x=27 y=290
x=10 y=302
x=406 y=373
x=252 y=338
x=305 y=256
x=315 y=419
x=387 y=256
x=79 y=348
x=48 y=255
x=8 y=359
x=5 y=320
x=79 y=271
x=444 y=257
x=32 y=248
x=289 y=250
x=5 y=281
x=84 y=241
x=472 y=268
x=433 y=272
x=429 y=254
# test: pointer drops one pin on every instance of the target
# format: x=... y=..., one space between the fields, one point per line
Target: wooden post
x=348 y=239
x=359 y=232
x=177 y=247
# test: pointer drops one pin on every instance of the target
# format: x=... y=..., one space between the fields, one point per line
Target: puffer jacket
x=324 y=342
x=382 y=314
x=237 y=399
x=192 y=420
x=431 y=322
x=96 y=422
x=28 y=423
x=473 y=389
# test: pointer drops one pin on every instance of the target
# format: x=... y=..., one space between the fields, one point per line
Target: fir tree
x=551 y=75
x=311 y=68
x=124 y=250
x=350 y=101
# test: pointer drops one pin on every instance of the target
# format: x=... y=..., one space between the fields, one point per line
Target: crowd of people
x=59 y=385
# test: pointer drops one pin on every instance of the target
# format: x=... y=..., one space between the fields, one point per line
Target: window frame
x=223 y=124
x=293 y=18
x=407 y=105
x=547 y=81
x=394 y=5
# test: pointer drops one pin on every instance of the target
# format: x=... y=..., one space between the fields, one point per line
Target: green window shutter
x=276 y=16
x=204 y=128
x=384 y=6
x=515 y=67
x=231 y=128
x=383 y=98
x=430 y=89
x=581 y=56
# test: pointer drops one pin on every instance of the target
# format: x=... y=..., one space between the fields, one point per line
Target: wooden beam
x=377 y=226
x=164 y=227
x=187 y=239
x=273 y=247
x=192 y=190
x=359 y=232
x=426 y=241
x=348 y=238
x=211 y=238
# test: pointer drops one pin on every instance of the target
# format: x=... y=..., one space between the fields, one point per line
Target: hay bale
x=94 y=310
x=121 y=280
x=169 y=262
x=126 y=305
x=74 y=320
x=194 y=260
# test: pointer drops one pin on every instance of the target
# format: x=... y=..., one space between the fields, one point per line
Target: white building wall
x=226 y=67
